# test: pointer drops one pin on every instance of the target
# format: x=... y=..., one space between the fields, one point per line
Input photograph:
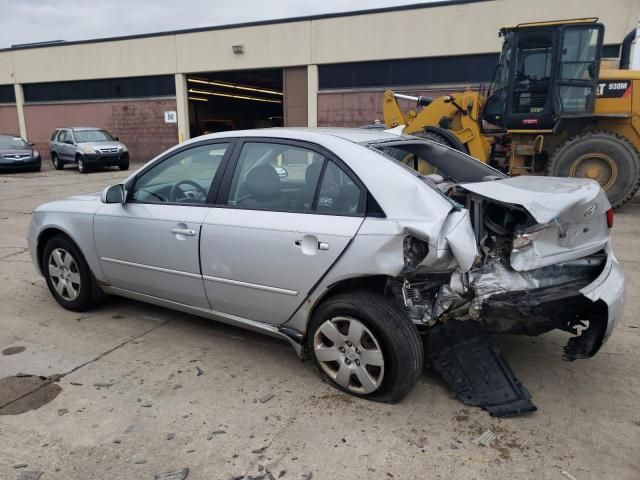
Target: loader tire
x=434 y=137
x=606 y=157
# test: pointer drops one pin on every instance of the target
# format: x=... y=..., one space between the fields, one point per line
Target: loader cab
x=546 y=71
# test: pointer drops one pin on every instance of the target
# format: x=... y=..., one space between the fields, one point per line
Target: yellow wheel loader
x=550 y=109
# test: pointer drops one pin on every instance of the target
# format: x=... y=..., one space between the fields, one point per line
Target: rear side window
x=281 y=177
x=338 y=194
x=275 y=176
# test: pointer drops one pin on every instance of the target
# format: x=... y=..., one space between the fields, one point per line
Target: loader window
x=532 y=76
x=578 y=68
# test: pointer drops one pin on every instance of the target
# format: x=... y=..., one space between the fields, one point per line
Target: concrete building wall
x=426 y=31
x=454 y=29
x=138 y=123
x=295 y=96
x=410 y=33
x=9 y=119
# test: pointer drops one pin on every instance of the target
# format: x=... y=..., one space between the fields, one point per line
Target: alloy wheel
x=64 y=274
x=349 y=353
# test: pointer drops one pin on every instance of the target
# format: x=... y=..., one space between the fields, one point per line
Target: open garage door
x=236 y=100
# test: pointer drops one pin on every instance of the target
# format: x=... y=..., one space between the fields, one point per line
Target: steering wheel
x=177 y=193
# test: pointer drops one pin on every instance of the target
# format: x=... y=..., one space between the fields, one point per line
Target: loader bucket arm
x=457 y=113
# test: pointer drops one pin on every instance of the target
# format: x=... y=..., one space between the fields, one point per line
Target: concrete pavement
x=131 y=404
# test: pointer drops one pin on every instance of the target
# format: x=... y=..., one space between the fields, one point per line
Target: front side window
x=93 y=136
x=184 y=178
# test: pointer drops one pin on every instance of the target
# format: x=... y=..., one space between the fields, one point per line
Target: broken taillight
x=609 y=215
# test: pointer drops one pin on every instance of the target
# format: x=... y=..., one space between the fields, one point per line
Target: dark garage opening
x=235 y=100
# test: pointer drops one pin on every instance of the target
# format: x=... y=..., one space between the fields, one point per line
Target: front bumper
x=22 y=164
x=106 y=159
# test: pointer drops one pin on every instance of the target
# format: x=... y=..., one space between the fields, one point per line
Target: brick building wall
x=9 y=120
x=358 y=108
x=139 y=124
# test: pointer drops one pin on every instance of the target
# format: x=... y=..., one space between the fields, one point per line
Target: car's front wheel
x=363 y=345
x=68 y=276
x=82 y=167
x=124 y=166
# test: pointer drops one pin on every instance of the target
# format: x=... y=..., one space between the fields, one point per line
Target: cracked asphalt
x=132 y=405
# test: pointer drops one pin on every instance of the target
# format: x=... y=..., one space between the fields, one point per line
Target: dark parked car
x=87 y=147
x=17 y=154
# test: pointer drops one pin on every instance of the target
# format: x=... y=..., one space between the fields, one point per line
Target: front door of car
x=149 y=244
x=282 y=218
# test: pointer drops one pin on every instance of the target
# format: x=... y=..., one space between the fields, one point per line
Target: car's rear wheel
x=68 y=276
x=363 y=345
x=82 y=167
x=57 y=163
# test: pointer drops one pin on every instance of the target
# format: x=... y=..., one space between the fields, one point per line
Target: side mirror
x=31 y=144
x=117 y=139
x=113 y=194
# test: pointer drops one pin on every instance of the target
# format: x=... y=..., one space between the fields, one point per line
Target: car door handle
x=310 y=244
x=183 y=231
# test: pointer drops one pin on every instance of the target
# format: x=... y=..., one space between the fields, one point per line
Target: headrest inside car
x=263 y=181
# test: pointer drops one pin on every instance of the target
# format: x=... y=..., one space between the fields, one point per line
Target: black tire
x=82 y=166
x=615 y=153
x=124 y=166
x=87 y=293
x=442 y=140
x=57 y=163
x=399 y=341
x=36 y=169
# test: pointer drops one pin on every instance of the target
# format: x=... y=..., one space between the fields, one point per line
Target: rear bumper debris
x=475 y=369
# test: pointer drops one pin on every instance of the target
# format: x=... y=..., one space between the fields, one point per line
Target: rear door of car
x=278 y=226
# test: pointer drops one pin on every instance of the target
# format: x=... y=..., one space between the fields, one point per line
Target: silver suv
x=88 y=147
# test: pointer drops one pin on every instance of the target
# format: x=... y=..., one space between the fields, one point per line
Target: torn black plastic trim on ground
x=476 y=370
x=589 y=341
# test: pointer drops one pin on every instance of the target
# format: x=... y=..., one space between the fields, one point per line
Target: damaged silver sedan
x=331 y=240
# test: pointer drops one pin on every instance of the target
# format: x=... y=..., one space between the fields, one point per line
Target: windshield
x=501 y=76
x=427 y=157
x=92 y=136
x=12 y=142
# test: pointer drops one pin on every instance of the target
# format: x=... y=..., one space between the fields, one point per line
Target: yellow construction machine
x=551 y=109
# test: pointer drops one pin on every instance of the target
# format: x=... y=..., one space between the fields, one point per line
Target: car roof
x=355 y=135
x=11 y=135
x=79 y=128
